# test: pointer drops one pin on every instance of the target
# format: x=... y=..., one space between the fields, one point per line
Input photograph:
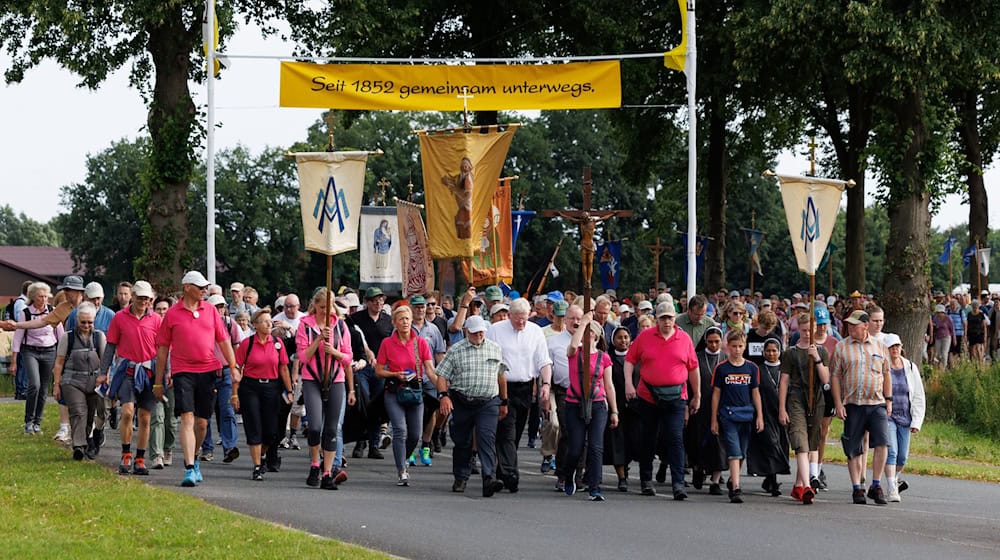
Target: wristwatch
x=889 y=398
x=443 y=394
x=826 y=386
x=503 y=402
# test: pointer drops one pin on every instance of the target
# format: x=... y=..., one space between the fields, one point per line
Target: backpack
x=28 y=315
x=100 y=343
x=250 y=346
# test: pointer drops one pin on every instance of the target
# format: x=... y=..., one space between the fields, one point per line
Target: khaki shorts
x=803 y=430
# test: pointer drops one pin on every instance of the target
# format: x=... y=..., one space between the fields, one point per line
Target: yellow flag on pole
x=211 y=12
x=676 y=58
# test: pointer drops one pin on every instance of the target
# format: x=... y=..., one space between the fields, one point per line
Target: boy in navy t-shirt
x=735 y=404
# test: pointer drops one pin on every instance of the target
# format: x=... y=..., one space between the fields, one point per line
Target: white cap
x=476 y=324
x=280 y=302
x=646 y=305
x=891 y=340
x=498 y=307
x=195 y=278
x=94 y=289
x=624 y=308
x=236 y=287
x=352 y=300
x=665 y=308
x=142 y=289
x=216 y=299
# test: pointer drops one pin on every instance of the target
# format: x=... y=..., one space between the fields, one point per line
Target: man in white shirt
x=527 y=355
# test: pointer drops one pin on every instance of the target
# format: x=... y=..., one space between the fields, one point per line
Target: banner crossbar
x=455 y=61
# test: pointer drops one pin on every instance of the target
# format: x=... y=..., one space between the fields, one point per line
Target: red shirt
x=191 y=338
x=308 y=331
x=662 y=362
x=264 y=358
x=396 y=355
x=598 y=382
x=135 y=337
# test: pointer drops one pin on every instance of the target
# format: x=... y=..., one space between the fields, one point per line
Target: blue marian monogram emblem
x=810 y=225
x=333 y=204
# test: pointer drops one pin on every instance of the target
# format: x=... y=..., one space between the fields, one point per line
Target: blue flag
x=968 y=255
x=830 y=248
x=609 y=257
x=754 y=238
x=700 y=245
x=948 y=245
x=518 y=219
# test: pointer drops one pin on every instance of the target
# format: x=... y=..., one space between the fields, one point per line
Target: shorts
x=977 y=338
x=127 y=394
x=804 y=431
x=194 y=392
x=735 y=437
x=869 y=418
x=956 y=347
x=828 y=404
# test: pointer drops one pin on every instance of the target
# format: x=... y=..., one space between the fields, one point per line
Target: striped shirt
x=861 y=367
x=472 y=370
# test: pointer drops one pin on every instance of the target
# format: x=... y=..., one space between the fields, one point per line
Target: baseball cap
x=72 y=282
x=822 y=316
x=493 y=293
x=216 y=300
x=734 y=293
x=801 y=304
x=513 y=294
x=373 y=292
x=624 y=308
x=94 y=289
x=279 y=303
x=665 y=309
x=857 y=318
x=560 y=307
x=661 y=286
x=142 y=289
x=555 y=295
x=765 y=303
x=984 y=293
x=891 y=339
x=195 y=278
x=418 y=300
x=498 y=307
x=646 y=305
x=236 y=287
x=476 y=324
x=746 y=292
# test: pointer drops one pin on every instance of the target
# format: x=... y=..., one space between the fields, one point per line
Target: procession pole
x=951 y=273
x=210 y=145
x=979 y=277
x=812 y=338
x=690 y=69
x=829 y=266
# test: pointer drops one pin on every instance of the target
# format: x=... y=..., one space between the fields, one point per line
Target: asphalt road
x=938 y=518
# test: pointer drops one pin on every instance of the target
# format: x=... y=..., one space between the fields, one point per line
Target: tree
x=19 y=229
x=102 y=223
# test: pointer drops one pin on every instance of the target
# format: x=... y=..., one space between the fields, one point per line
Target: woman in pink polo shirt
x=404 y=359
x=324 y=346
x=263 y=360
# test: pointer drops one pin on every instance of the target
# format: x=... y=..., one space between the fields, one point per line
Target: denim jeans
x=593 y=432
x=21 y=378
x=899 y=444
x=663 y=424
x=407 y=426
x=225 y=415
x=38 y=371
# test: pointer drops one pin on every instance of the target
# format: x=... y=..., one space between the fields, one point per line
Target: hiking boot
x=715 y=489
x=327 y=483
x=698 y=479
x=425 y=456
x=736 y=496
x=491 y=486
x=189 y=479
x=680 y=495
x=139 y=467
x=459 y=486
x=859 y=496
x=125 y=465
x=258 y=473
x=313 y=478
x=876 y=493
x=647 y=488
x=339 y=476
x=232 y=454
x=78 y=453
x=359 y=449
x=436 y=443
x=375 y=453
x=273 y=461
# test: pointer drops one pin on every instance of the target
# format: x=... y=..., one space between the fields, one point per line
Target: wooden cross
x=587 y=219
x=330 y=119
x=409 y=194
x=384 y=184
x=812 y=156
x=465 y=97
x=657 y=250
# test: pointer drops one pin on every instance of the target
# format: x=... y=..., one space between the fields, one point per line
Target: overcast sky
x=50 y=127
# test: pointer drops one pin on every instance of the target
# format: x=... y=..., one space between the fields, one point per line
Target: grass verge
x=54 y=507
x=940 y=449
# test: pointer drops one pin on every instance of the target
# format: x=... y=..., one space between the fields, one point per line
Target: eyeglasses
x=85 y=322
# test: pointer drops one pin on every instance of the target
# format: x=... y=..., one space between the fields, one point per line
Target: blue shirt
x=735 y=383
x=102 y=321
x=957 y=318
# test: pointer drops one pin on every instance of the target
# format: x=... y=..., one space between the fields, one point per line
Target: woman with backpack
x=263 y=361
x=76 y=374
x=38 y=350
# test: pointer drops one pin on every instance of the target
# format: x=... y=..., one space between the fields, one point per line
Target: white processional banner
x=811 y=207
x=984 y=261
x=379 y=248
x=331 y=185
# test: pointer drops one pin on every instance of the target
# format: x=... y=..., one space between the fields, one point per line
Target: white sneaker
x=893 y=494
x=62 y=436
x=404 y=479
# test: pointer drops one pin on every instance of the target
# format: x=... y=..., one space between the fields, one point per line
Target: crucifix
x=330 y=119
x=657 y=250
x=812 y=155
x=465 y=97
x=384 y=184
x=409 y=186
x=587 y=219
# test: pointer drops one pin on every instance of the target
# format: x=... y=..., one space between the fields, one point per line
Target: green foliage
x=19 y=229
x=967 y=394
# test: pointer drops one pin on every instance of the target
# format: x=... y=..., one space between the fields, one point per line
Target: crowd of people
x=731 y=381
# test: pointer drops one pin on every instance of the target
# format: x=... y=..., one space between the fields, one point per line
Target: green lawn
x=940 y=450
x=54 y=507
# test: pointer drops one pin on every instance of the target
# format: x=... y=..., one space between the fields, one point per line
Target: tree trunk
x=859 y=113
x=907 y=283
x=171 y=124
x=718 y=176
x=979 y=217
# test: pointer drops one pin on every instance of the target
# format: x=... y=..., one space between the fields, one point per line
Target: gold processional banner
x=811 y=207
x=487 y=87
x=331 y=185
x=494 y=261
x=461 y=170
x=418 y=269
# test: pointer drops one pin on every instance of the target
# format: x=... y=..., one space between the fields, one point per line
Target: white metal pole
x=690 y=70
x=210 y=145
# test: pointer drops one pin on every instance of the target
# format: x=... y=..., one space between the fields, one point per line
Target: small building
x=38 y=264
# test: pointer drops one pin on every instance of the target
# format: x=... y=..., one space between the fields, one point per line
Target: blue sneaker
x=425 y=456
x=570 y=486
x=412 y=460
x=190 y=479
x=197 y=472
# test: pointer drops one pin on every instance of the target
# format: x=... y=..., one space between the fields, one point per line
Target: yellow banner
x=461 y=171
x=494 y=258
x=578 y=85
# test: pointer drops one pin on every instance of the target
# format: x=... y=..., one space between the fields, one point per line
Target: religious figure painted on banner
x=382 y=244
x=416 y=273
x=608 y=259
x=461 y=188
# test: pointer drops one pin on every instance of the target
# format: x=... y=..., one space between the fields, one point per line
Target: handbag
x=738 y=413
x=412 y=392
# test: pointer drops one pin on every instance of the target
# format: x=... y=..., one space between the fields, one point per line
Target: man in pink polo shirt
x=188 y=335
x=667 y=363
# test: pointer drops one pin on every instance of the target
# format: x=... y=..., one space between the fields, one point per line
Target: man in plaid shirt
x=472 y=387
